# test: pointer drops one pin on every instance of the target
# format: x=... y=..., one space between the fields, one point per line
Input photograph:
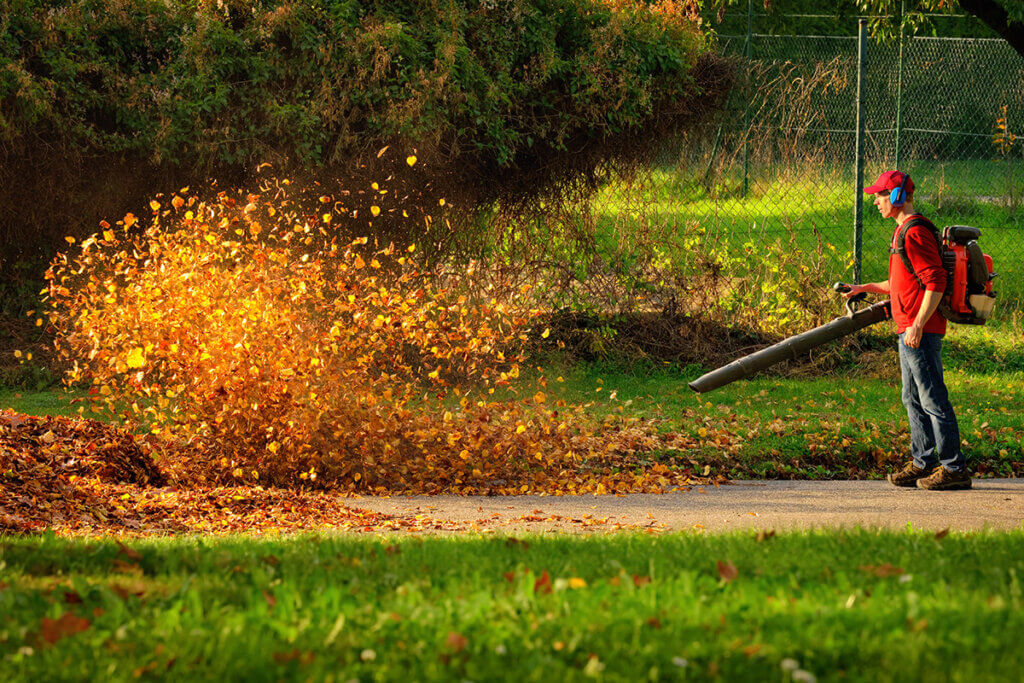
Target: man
x=937 y=462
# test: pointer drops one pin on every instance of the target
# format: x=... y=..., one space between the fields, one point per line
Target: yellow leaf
x=375 y=210
x=70 y=239
x=576 y=582
x=136 y=358
x=411 y=160
x=545 y=333
x=520 y=429
x=273 y=446
x=155 y=205
x=539 y=397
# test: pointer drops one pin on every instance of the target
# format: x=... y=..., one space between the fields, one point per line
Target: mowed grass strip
x=846 y=605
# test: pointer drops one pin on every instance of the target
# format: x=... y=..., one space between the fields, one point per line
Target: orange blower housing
x=969 y=297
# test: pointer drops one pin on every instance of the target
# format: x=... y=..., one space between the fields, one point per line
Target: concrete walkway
x=992 y=503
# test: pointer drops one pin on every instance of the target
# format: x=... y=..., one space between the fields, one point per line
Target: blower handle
x=842 y=288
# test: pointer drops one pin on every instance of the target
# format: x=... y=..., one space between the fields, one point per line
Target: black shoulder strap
x=901 y=243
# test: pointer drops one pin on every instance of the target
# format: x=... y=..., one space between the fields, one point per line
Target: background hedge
x=105 y=102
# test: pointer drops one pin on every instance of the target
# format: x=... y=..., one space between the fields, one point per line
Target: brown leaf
x=882 y=570
x=640 y=581
x=654 y=622
x=125 y=567
x=72 y=598
x=456 y=641
x=271 y=560
x=728 y=571
x=123 y=591
x=294 y=655
x=764 y=535
x=939 y=535
x=66 y=625
x=122 y=549
x=269 y=597
x=543 y=584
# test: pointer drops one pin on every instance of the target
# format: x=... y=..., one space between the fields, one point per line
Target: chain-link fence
x=782 y=165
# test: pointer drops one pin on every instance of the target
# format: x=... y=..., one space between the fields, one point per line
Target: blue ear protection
x=898 y=197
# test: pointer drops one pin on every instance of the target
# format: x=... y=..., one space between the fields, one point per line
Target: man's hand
x=854 y=290
x=912 y=336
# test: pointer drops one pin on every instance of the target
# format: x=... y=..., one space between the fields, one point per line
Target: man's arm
x=869 y=287
x=929 y=302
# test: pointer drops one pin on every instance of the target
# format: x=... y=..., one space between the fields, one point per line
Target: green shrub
x=105 y=103
x=321 y=81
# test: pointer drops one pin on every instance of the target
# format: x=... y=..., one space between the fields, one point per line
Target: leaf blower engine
x=968 y=298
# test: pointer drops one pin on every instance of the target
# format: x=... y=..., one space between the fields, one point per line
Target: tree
x=1005 y=17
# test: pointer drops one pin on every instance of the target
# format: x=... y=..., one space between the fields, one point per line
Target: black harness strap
x=901 y=244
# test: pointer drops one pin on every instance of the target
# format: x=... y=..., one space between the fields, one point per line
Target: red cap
x=890 y=180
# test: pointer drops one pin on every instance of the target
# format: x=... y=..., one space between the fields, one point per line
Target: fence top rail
x=961 y=40
x=786 y=37
x=741 y=36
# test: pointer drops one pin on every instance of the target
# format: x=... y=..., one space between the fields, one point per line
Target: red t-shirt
x=904 y=292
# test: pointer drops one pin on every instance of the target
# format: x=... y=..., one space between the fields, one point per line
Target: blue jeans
x=934 y=434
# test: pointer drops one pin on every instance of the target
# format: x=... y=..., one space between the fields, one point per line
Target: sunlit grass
x=840 y=605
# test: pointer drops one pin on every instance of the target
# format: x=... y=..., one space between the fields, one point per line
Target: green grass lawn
x=847 y=605
x=815 y=209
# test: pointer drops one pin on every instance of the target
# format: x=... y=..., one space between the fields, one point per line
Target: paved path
x=992 y=503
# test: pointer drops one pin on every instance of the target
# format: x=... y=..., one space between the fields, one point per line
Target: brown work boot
x=944 y=480
x=909 y=475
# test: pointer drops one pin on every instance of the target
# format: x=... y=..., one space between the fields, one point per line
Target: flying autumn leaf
x=727 y=570
x=136 y=358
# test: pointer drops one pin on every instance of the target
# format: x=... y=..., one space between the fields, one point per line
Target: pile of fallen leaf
x=85 y=476
x=48 y=467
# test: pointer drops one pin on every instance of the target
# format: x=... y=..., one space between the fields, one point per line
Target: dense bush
x=124 y=98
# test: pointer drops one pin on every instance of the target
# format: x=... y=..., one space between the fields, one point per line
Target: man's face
x=884 y=205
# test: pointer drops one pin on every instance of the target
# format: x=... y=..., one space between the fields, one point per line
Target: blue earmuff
x=898 y=197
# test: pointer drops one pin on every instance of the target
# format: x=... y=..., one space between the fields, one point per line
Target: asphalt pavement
x=754 y=505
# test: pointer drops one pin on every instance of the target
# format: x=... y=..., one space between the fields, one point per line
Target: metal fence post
x=858 y=205
x=899 y=88
x=748 y=50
